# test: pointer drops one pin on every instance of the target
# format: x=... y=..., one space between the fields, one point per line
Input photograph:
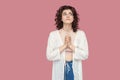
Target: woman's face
x=67 y=16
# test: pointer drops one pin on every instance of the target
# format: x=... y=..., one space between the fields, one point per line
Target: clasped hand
x=68 y=43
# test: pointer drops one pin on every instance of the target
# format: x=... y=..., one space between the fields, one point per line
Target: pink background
x=24 y=29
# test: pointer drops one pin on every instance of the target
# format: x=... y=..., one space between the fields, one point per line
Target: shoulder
x=80 y=32
x=53 y=33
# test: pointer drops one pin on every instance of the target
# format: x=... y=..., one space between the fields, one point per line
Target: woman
x=67 y=46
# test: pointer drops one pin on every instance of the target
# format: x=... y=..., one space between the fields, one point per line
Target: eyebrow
x=69 y=12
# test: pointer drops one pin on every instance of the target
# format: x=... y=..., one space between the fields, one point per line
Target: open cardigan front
x=53 y=54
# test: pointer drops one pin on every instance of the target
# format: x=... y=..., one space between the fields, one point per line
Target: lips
x=67 y=19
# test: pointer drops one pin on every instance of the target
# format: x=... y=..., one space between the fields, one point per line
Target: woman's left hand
x=71 y=46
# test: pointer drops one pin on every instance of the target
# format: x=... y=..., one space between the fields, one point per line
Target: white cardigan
x=53 y=54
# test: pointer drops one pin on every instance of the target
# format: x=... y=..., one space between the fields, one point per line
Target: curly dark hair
x=58 y=17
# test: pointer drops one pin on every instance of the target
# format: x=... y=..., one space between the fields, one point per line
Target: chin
x=68 y=22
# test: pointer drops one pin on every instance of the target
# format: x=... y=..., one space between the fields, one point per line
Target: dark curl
x=58 y=17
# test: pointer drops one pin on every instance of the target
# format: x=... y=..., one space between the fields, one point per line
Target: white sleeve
x=52 y=52
x=81 y=50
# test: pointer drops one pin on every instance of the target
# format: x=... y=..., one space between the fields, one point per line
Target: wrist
x=72 y=47
x=62 y=48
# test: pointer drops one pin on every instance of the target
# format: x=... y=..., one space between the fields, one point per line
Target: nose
x=68 y=16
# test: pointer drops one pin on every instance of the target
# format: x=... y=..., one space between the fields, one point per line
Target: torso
x=68 y=52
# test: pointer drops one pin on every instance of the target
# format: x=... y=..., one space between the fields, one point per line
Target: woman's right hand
x=62 y=48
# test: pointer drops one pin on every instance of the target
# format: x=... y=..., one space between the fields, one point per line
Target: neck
x=67 y=27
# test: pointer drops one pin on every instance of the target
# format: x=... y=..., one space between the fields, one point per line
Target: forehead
x=67 y=11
